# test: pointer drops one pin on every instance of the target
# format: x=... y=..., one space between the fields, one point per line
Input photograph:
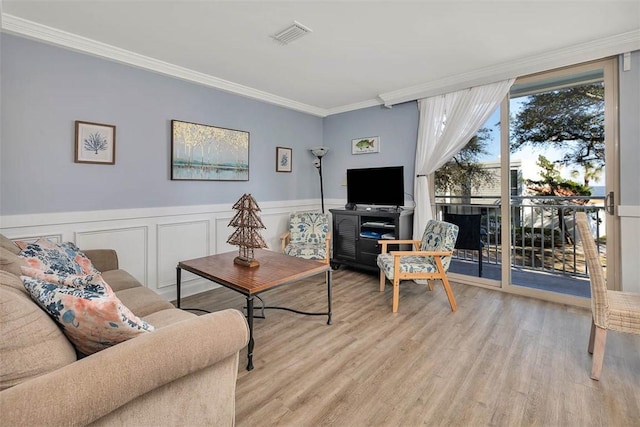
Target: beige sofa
x=184 y=373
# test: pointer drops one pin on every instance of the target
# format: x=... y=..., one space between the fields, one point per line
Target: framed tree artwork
x=208 y=153
x=95 y=143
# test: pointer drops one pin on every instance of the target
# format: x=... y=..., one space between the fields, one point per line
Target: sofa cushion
x=12 y=281
x=31 y=344
x=9 y=245
x=50 y=257
x=143 y=301
x=92 y=320
x=10 y=261
x=120 y=279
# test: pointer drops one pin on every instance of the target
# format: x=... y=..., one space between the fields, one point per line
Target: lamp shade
x=319 y=151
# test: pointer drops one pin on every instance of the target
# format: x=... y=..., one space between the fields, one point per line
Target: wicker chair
x=611 y=310
x=429 y=260
x=308 y=236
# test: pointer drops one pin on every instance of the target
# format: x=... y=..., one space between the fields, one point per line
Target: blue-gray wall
x=630 y=132
x=397 y=128
x=45 y=89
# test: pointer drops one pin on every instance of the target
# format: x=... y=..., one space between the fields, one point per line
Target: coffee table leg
x=329 y=295
x=251 y=342
x=178 y=286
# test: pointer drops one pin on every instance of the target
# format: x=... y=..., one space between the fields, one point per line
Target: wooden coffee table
x=275 y=270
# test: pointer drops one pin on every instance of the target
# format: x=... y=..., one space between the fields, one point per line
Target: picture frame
x=208 y=153
x=95 y=143
x=366 y=145
x=284 y=159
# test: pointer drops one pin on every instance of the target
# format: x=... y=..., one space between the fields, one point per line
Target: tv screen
x=376 y=186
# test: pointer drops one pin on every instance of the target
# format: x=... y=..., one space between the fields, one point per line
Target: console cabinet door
x=345 y=235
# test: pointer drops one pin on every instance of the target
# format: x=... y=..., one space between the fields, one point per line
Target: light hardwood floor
x=500 y=360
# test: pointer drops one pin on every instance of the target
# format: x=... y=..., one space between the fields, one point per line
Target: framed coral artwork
x=284 y=158
x=95 y=143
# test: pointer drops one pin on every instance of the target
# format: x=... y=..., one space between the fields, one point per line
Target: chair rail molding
x=150 y=241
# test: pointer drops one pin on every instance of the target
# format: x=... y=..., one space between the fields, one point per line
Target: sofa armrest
x=97 y=385
x=103 y=259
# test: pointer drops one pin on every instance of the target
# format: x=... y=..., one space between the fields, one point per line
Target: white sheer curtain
x=447 y=123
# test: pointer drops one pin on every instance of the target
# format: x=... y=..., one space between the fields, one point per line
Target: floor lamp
x=319 y=152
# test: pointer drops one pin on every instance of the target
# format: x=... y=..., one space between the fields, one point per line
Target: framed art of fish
x=369 y=144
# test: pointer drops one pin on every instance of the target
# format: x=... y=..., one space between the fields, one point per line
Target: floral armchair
x=429 y=259
x=308 y=236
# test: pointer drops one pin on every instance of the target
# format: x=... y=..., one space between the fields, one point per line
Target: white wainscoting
x=629 y=247
x=151 y=241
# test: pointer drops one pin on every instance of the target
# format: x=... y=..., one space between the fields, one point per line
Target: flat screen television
x=383 y=186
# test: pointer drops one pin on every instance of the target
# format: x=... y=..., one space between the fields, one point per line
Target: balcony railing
x=542 y=231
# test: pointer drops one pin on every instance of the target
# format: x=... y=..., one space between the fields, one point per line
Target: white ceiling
x=359 y=54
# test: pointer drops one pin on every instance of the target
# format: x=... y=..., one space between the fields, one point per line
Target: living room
x=154 y=222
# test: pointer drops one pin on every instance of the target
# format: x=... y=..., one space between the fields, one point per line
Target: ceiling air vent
x=292 y=33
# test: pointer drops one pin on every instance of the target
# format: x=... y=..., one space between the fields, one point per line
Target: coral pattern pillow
x=92 y=317
x=50 y=257
x=92 y=282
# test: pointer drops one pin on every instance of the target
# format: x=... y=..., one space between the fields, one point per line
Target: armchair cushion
x=308 y=236
x=308 y=227
x=408 y=264
x=306 y=250
x=439 y=236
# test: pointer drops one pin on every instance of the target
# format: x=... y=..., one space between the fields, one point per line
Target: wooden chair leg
x=430 y=284
x=592 y=336
x=383 y=278
x=598 y=352
x=396 y=294
x=447 y=289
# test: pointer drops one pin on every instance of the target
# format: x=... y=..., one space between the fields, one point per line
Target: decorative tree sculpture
x=246 y=236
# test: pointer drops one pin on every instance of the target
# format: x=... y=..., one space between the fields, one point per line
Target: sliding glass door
x=548 y=152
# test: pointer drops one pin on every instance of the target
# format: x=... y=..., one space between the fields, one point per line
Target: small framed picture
x=284 y=159
x=95 y=143
x=369 y=144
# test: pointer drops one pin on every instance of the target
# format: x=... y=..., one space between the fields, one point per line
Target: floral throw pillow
x=91 y=282
x=92 y=318
x=50 y=257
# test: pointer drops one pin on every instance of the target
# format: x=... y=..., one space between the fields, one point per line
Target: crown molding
x=352 y=107
x=597 y=49
x=23 y=27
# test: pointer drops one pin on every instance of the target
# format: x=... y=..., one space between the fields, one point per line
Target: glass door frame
x=609 y=67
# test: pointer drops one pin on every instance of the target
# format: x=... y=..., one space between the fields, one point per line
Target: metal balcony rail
x=542 y=230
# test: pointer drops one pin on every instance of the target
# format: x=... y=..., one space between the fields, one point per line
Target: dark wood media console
x=356 y=234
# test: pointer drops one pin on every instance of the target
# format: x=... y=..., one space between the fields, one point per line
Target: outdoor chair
x=308 y=236
x=611 y=310
x=469 y=234
x=429 y=259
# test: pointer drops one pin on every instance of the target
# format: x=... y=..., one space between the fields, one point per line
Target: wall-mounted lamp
x=319 y=152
